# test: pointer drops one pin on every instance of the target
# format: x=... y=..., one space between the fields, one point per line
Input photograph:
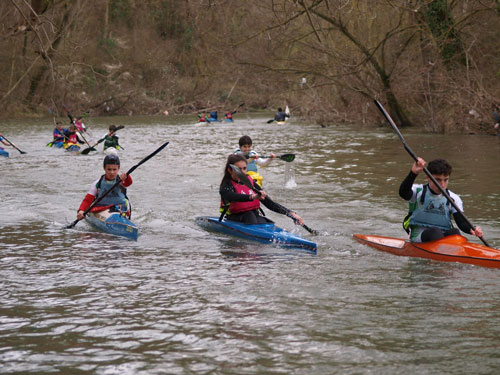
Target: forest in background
x=434 y=64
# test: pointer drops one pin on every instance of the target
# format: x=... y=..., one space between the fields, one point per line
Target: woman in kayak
x=115 y=200
x=429 y=214
x=241 y=203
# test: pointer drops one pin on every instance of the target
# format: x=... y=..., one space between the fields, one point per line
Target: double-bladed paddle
x=13 y=145
x=118 y=182
x=285 y=157
x=245 y=181
x=91 y=148
x=431 y=177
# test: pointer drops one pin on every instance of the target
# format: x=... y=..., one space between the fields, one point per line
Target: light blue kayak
x=263 y=233
x=4 y=153
x=113 y=223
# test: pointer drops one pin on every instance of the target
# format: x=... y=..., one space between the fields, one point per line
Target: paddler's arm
x=126 y=179
x=87 y=201
x=228 y=194
x=261 y=162
x=464 y=226
x=405 y=190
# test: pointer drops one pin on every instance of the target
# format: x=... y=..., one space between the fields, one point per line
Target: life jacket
x=251 y=164
x=237 y=207
x=428 y=210
x=213 y=115
x=229 y=116
x=79 y=125
x=203 y=118
x=71 y=137
x=117 y=197
x=111 y=141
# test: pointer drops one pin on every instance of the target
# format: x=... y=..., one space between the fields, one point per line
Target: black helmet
x=111 y=159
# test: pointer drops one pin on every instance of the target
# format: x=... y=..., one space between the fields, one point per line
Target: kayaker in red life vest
x=429 y=216
x=71 y=135
x=202 y=117
x=243 y=202
x=229 y=116
x=117 y=197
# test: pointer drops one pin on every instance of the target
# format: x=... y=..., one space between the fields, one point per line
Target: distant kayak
x=113 y=223
x=4 y=153
x=264 y=233
x=72 y=147
x=454 y=248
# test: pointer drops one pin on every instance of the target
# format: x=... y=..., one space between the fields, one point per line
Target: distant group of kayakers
x=213 y=116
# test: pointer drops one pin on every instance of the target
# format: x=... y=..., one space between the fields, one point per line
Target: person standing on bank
x=429 y=216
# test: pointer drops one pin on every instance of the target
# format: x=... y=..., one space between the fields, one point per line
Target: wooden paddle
x=245 y=181
x=431 y=177
x=118 y=182
x=91 y=148
x=285 y=157
x=13 y=145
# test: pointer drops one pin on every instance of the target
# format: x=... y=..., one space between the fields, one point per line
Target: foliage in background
x=434 y=63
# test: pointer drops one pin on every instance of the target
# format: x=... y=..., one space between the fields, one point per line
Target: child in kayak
x=2 y=150
x=72 y=139
x=241 y=203
x=116 y=200
x=111 y=139
x=58 y=135
x=245 y=149
x=429 y=216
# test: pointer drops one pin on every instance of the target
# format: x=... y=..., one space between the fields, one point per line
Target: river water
x=181 y=300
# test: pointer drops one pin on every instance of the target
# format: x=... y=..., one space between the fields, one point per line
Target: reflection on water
x=183 y=300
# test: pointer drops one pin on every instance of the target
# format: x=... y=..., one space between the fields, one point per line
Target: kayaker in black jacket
x=241 y=203
x=281 y=116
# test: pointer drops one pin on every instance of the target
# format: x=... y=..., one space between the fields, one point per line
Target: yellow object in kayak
x=256 y=177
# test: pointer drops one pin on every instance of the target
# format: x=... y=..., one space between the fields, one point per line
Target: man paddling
x=429 y=216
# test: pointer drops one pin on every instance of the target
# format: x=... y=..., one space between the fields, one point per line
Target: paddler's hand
x=418 y=166
x=79 y=215
x=477 y=231
x=260 y=196
x=123 y=176
x=272 y=155
x=298 y=220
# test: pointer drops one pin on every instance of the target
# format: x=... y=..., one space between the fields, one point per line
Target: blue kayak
x=113 y=223
x=4 y=153
x=264 y=233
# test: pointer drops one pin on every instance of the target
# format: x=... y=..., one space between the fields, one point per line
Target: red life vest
x=202 y=118
x=72 y=138
x=229 y=115
x=236 y=207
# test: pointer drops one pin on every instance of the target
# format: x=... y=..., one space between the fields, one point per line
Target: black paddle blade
x=87 y=150
x=287 y=157
x=269 y=121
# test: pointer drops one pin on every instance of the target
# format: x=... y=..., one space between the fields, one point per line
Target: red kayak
x=448 y=249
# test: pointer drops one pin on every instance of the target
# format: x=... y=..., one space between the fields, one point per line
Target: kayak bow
x=113 y=223
x=453 y=248
x=263 y=233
